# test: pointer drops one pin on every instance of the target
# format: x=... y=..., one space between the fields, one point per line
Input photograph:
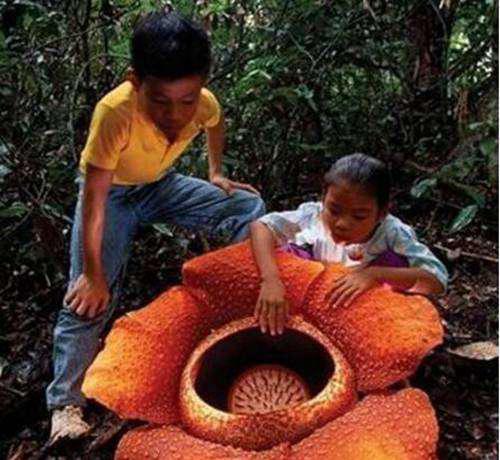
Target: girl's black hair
x=169 y=46
x=363 y=170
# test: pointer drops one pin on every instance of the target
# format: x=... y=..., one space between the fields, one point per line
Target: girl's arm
x=413 y=279
x=426 y=274
x=272 y=308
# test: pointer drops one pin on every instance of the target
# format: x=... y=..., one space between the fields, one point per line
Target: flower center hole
x=250 y=372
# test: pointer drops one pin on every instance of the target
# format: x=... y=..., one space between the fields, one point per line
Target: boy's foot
x=68 y=423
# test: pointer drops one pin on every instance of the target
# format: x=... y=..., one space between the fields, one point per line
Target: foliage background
x=301 y=82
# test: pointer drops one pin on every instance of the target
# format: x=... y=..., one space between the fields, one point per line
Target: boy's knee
x=69 y=324
x=260 y=207
x=254 y=204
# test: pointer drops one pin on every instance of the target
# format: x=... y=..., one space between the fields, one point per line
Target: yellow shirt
x=124 y=140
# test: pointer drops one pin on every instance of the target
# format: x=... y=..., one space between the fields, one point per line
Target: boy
x=137 y=132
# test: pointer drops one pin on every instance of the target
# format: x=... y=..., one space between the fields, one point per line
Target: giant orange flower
x=194 y=365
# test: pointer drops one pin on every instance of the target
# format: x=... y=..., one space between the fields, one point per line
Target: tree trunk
x=428 y=28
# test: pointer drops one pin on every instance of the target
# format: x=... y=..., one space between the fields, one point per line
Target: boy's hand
x=229 y=186
x=271 y=311
x=345 y=289
x=88 y=297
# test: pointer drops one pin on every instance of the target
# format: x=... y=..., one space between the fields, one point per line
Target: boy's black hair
x=363 y=170
x=169 y=46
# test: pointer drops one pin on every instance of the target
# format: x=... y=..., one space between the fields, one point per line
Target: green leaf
x=256 y=73
x=464 y=218
x=3 y=148
x=163 y=229
x=311 y=147
x=488 y=147
x=4 y=171
x=476 y=125
x=56 y=211
x=423 y=187
x=16 y=209
x=473 y=193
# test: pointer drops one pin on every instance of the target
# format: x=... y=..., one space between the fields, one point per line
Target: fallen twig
x=472 y=255
x=3 y=386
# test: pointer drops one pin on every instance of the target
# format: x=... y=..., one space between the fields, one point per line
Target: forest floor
x=463 y=390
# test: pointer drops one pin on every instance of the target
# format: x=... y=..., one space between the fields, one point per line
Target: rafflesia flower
x=194 y=365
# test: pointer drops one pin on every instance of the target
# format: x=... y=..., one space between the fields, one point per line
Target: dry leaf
x=483 y=351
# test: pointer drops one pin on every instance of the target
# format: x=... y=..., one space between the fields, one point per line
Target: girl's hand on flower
x=348 y=287
x=271 y=311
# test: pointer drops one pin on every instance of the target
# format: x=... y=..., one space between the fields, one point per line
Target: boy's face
x=351 y=213
x=171 y=105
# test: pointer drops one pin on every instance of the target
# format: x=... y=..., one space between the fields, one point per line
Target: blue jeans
x=186 y=201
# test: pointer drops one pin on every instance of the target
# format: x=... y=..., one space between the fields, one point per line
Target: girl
x=350 y=226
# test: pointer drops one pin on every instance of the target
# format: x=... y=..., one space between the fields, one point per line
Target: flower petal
x=228 y=281
x=383 y=334
x=401 y=426
x=137 y=374
x=166 y=443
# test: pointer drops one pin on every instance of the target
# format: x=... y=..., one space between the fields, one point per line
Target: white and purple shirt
x=304 y=228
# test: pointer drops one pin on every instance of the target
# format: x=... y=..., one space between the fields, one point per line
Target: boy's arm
x=89 y=295
x=271 y=310
x=215 y=142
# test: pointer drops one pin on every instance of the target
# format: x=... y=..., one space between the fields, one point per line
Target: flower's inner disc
x=266 y=388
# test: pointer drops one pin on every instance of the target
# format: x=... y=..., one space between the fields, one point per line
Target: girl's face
x=351 y=213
